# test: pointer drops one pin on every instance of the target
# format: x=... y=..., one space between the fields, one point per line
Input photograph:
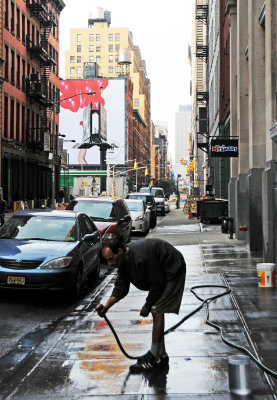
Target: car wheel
x=75 y=292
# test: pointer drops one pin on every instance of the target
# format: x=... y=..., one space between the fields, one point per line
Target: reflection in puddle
x=141 y=322
x=103 y=368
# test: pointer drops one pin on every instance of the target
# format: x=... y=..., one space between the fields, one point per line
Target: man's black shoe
x=146 y=363
x=164 y=359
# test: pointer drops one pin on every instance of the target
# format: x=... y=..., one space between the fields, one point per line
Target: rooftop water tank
x=97 y=13
x=124 y=56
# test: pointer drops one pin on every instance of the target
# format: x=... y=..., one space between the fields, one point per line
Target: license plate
x=16 y=280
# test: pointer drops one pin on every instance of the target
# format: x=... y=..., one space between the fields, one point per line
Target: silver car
x=140 y=215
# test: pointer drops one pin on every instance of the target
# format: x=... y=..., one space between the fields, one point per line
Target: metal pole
x=53 y=201
x=108 y=177
x=136 y=180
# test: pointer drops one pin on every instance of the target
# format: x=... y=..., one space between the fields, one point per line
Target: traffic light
x=182 y=161
x=135 y=165
x=146 y=171
x=187 y=169
x=191 y=165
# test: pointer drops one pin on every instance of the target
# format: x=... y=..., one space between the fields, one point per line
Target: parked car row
x=58 y=250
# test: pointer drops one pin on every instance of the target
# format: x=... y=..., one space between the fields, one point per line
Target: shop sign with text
x=224 y=148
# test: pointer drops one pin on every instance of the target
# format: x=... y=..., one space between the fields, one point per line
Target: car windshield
x=157 y=193
x=97 y=210
x=144 y=190
x=146 y=199
x=33 y=227
x=134 y=206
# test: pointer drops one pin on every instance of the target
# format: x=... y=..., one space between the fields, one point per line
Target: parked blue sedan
x=49 y=250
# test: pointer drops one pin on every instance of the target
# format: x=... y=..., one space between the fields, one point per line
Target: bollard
x=239 y=374
x=231 y=227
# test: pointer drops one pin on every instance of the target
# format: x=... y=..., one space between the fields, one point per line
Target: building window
x=117 y=47
x=117 y=37
x=79 y=37
x=32 y=124
x=23 y=123
x=28 y=30
x=12 y=17
x=72 y=59
x=23 y=82
x=110 y=48
x=116 y=58
x=79 y=48
x=23 y=29
x=12 y=119
x=79 y=70
x=18 y=70
x=98 y=38
x=79 y=59
x=38 y=41
x=12 y=66
x=27 y=125
x=98 y=49
x=117 y=69
x=6 y=116
x=98 y=59
x=72 y=70
x=110 y=59
x=91 y=58
x=7 y=14
x=37 y=130
x=33 y=34
x=91 y=37
x=136 y=102
x=91 y=48
x=18 y=23
x=110 y=37
x=6 y=62
x=17 y=124
x=110 y=70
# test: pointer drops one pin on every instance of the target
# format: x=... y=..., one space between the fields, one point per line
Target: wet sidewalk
x=81 y=360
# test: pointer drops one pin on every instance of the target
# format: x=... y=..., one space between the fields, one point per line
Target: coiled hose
x=205 y=302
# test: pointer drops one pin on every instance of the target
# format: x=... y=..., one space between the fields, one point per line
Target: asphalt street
x=80 y=359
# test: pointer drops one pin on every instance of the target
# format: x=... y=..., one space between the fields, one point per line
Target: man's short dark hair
x=114 y=245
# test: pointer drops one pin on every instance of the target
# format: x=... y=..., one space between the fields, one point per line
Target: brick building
x=30 y=89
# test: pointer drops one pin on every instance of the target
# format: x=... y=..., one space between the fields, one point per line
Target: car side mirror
x=127 y=218
x=89 y=237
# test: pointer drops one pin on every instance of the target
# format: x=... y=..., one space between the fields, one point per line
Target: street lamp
x=55 y=103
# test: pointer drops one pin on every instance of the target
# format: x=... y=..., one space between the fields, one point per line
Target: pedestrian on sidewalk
x=2 y=210
x=152 y=265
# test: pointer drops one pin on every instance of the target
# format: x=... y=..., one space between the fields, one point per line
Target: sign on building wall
x=107 y=97
x=224 y=147
x=46 y=144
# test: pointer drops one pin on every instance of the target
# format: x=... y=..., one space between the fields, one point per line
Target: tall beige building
x=115 y=54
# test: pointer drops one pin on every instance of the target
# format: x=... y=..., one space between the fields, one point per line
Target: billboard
x=92 y=107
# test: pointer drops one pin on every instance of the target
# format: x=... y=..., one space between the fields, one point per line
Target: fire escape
x=38 y=87
x=202 y=96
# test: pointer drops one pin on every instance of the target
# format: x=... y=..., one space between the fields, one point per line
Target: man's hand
x=144 y=312
x=101 y=310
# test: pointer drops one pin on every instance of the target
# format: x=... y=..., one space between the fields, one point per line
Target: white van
x=158 y=194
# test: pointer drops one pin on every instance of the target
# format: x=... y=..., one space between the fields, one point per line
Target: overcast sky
x=162 y=30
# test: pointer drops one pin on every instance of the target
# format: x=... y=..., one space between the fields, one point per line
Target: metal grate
x=19 y=264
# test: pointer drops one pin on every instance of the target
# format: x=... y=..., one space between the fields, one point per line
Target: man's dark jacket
x=151 y=264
